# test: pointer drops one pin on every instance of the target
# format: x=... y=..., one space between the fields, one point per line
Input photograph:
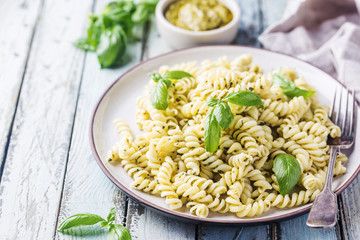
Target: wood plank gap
x=197 y=234
x=7 y=144
x=124 y=198
x=69 y=147
x=341 y=218
x=237 y=234
x=144 y=39
x=275 y=231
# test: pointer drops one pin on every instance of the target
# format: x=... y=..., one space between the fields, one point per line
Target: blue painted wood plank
x=211 y=232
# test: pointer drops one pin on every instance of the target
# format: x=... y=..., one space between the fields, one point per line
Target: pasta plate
x=119 y=101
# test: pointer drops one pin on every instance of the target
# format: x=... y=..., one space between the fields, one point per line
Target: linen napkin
x=325 y=33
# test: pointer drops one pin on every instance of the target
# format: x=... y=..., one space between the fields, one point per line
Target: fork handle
x=324 y=210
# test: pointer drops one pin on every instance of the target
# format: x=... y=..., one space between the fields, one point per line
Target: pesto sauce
x=198 y=15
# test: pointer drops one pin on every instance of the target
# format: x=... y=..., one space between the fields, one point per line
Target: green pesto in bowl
x=198 y=15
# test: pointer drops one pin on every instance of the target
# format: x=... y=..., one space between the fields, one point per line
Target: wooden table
x=48 y=89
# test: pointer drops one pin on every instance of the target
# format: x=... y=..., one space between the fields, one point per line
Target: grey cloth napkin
x=325 y=33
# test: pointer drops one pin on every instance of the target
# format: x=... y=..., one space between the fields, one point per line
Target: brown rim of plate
x=180 y=214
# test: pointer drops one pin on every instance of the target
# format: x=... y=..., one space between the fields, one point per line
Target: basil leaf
x=212 y=132
x=83 y=44
x=141 y=14
x=287 y=171
x=118 y=15
x=111 y=215
x=150 y=5
x=155 y=76
x=126 y=6
x=176 y=75
x=289 y=88
x=167 y=82
x=94 y=31
x=159 y=96
x=223 y=115
x=244 y=98
x=297 y=92
x=212 y=102
x=111 y=47
x=77 y=220
x=118 y=232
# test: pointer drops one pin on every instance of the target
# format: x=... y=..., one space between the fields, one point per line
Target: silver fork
x=324 y=209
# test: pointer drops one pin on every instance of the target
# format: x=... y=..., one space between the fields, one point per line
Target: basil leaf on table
x=244 y=98
x=82 y=219
x=83 y=44
x=94 y=31
x=211 y=102
x=111 y=215
x=176 y=75
x=118 y=232
x=111 y=47
x=140 y=15
x=289 y=88
x=212 y=132
x=223 y=115
x=287 y=171
x=118 y=15
x=159 y=96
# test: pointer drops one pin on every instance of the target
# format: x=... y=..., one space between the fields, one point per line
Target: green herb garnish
x=287 y=171
x=289 y=88
x=159 y=94
x=212 y=132
x=109 y=32
x=221 y=115
x=76 y=224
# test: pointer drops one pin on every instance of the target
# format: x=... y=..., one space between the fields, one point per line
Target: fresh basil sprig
x=287 y=171
x=289 y=88
x=159 y=94
x=111 y=47
x=221 y=115
x=109 y=32
x=74 y=225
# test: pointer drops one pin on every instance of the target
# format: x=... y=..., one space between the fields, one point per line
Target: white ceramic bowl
x=177 y=37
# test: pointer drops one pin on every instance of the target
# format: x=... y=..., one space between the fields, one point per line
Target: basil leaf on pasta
x=212 y=132
x=167 y=82
x=223 y=115
x=176 y=75
x=289 y=88
x=211 y=102
x=155 y=76
x=244 y=98
x=297 y=92
x=159 y=96
x=287 y=171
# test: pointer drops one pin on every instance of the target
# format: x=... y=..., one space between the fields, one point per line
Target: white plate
x=119 y=102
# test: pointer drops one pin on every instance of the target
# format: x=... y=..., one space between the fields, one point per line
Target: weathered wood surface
x=32 y=179
x=14 y=51
x=349 y=207
x=50 y=172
